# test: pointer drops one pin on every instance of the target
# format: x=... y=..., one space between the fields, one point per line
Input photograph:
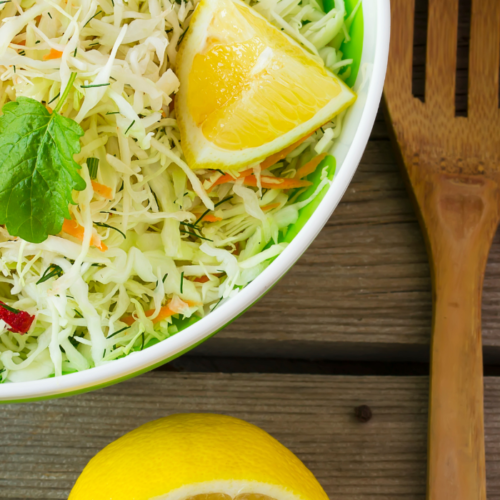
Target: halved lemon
x=196 y=457
x=247 y=90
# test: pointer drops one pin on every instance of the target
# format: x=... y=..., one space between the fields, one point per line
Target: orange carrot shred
x=270 y=206
x=211 y=218
x=229 y=178
x=268 y=162
x=204 y=279
x=165 y=312
x=310 y=166
x=53 y=54
x=72 y=228
x=201 y=279
x=275 y=158
x=104 y=191
x=276 y=182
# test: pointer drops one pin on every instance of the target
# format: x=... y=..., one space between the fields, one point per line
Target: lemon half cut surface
x=196 y=457
x=247 y=90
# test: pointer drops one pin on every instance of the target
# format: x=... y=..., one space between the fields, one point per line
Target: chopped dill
x=100 y=12
x=10 y=309
x=119 y=331
x=196 y=235
x=96 y=85
x=103 y=224
x=50 y=272
x=54 y=98
x=129 y=127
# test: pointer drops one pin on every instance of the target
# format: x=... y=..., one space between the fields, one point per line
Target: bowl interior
x=368 y=47
x=351 y=49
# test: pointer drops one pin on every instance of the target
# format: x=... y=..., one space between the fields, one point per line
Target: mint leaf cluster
x=37 y=171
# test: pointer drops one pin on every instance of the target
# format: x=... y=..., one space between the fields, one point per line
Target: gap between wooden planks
x=45 y=445
x=362 y=290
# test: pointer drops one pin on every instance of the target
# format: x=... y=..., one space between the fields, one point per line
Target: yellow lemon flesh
x=196 y=457
x=247 y=90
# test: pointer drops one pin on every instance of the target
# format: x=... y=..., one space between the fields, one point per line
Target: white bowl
x=348 y=150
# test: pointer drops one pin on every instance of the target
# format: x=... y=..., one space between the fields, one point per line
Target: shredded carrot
x=211 y=218
x=208 y=217
x=275 y=158
x=53 y=54
x=165 y=312
x=204 y=279
x=104 y=191
x=310 y=166
x=201 y=279
x=49 y=109
x=270 y=206
x=275 y=182
x=266 y=182
x=72 y=228
x=229 y=178
x=268 y=162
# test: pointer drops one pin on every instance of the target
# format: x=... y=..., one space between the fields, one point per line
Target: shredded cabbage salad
x=178 y=244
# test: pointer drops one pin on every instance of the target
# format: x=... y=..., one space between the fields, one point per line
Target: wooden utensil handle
x=464 y=213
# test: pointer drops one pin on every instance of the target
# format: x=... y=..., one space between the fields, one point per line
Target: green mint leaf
x=37 y=171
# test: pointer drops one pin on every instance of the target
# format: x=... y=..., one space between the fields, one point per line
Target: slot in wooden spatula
x=453 y=170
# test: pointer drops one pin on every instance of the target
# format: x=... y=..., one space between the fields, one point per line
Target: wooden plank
x=45 y=445
x=362 y=290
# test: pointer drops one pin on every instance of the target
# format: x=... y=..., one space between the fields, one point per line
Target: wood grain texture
x=453 y=171
x=44 y=446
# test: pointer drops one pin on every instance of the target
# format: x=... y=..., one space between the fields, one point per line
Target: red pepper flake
x=18 y=321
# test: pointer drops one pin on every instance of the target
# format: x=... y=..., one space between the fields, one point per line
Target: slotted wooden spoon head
x=429 y=133
x=453 y=171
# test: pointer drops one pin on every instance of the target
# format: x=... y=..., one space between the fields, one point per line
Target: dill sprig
x=8 y=308
x=119 y=331
x=52 y=271
x=54 y=98
x=219 y=301
x=129 y=127
x=100 y=12
x=103 y=224
x=96 y=85
x=208 y=211
x=195 y=235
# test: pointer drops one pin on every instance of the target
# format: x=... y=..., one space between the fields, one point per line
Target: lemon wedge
x=196 y=457
x=247 y=90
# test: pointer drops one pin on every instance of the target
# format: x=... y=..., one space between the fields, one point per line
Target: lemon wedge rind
x=203 y=153
x=234 y=489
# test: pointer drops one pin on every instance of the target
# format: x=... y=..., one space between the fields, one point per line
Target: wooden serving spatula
x=452 y=165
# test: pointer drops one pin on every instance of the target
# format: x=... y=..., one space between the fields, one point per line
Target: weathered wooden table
x=348 y=325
